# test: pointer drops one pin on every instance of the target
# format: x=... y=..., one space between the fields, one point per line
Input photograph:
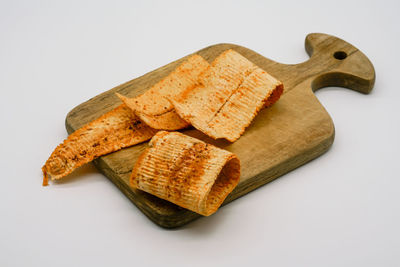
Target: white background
x=341 y=209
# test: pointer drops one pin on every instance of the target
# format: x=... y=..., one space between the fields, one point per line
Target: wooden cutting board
x=292 y=132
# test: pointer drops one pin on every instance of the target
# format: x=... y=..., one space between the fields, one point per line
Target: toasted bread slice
x=112 y=131
x=186 y=171
x=217 y=84
x=153 y=106
x=230 y=95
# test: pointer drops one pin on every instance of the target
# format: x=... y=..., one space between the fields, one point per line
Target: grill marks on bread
x=186 y=171
x=230 y=94
x=112 y=131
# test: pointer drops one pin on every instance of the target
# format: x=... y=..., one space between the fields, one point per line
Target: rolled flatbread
x=112 y=131
x=186 y=171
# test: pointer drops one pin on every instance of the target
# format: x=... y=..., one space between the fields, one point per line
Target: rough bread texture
x=154 y=108
x=186 y=171
x=229 y=96
x=112 y=131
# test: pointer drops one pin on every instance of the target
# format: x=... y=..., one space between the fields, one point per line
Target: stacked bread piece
x=230 y=94
x=154 y=108
x=220 y=99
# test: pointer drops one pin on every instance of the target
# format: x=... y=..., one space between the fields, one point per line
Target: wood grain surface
x=292 y=132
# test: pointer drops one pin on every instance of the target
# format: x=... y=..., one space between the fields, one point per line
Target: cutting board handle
x=335 y=62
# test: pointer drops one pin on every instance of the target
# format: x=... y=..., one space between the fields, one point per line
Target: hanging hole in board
x=340 y=55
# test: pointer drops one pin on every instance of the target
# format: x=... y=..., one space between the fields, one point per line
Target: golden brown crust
x=112 y=131
x=274 y=96
x=153 y=106
x=230 y=95
x=186 y=171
